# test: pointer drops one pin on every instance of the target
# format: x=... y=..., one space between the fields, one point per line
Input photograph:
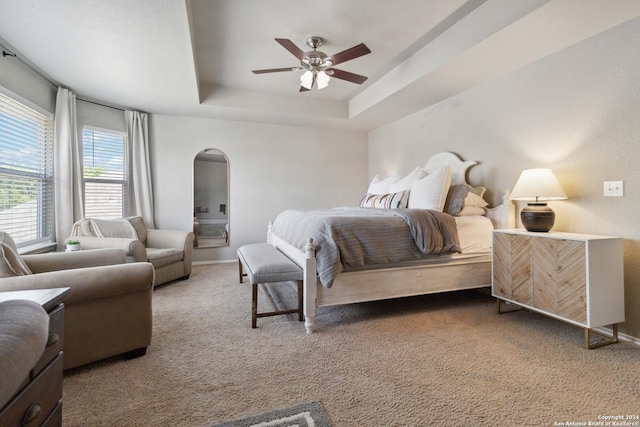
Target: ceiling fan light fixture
x=318 y=66
x=306 y=79
x=323 y=79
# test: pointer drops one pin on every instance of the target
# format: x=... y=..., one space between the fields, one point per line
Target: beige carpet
x=438 y=360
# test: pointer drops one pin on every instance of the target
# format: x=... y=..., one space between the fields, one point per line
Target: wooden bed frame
x=371 y=285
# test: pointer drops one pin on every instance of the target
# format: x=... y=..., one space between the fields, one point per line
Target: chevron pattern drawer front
x=572 y=280
x=559 y=278
x=573 y=277
x=501 y=275
x=512 y=266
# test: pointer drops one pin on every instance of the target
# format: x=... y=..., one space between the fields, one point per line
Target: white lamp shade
x=537 y=185
x=323 y=79
x=306 y=79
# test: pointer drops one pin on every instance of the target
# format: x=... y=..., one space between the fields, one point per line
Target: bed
x=449 y=264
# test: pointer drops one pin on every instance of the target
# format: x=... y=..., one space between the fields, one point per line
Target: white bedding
x=474 y=233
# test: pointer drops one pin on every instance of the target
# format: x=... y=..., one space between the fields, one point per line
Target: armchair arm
x=69 y=260
x=178 y=239
x=132 y=247
x=88 y=283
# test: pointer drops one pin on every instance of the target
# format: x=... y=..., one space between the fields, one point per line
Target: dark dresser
x=38 y=402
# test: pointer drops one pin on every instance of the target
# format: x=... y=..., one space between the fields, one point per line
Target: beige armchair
x=108 y=311
x=168 y=250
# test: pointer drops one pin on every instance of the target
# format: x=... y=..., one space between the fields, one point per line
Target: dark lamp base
x=537 y=217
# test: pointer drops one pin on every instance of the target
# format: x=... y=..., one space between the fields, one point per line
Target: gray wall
x=575 y=112
x=24 y=82
x=89 y=114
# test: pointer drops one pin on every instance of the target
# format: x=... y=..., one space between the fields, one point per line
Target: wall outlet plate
x=613 y=188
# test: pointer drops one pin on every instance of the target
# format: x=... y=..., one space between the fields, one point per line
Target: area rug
x=309 y=414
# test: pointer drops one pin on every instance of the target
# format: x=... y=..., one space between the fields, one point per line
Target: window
x=105 y=173
x=26 y=171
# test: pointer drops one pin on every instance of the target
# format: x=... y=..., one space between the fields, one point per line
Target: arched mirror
x=211 y=199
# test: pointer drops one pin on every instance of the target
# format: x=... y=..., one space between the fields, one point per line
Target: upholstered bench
x=263 y=263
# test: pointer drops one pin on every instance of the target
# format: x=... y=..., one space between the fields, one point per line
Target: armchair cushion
x=160 y=257
x=11 y=264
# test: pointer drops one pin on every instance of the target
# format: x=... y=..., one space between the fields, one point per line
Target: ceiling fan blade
x=276 y=70
x=349 y=54
x=291 y=47
x=345 y=75
x=304 y=89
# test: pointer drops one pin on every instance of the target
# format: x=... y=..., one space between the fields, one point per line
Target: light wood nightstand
x=576 y=278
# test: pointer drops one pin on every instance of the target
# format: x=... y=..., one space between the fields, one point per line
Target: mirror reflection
x=211 y=199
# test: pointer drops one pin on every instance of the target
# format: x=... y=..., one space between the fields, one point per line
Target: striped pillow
x=397 y=200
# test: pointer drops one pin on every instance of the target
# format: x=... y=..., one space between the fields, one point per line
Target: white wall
x=577 y=112
x=271 y=168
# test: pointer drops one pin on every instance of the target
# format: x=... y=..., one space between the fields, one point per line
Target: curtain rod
x=6 y=51
x=102 y=105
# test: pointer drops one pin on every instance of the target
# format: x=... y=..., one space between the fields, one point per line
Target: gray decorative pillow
x=455 y=198
x=11 y=264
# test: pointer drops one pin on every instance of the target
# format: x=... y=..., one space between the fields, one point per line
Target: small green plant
x=73 y=242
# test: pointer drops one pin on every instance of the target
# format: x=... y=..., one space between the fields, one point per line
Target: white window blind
x=105 y=174
x=26 y=172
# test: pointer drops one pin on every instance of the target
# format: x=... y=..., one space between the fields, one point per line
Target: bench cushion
x=263 y=263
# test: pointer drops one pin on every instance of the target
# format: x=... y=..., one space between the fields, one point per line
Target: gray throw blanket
x=356 y=237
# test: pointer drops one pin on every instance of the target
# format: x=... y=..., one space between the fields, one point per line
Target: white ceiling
x=195 y=57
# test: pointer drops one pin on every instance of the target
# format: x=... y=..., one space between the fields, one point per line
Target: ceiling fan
x=318 y=66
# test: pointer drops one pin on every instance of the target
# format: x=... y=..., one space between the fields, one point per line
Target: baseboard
x=621 y=336
x=219 y=261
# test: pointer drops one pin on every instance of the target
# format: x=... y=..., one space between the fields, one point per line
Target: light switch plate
x=613 y=188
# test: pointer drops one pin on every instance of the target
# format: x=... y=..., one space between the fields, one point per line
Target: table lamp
x=537 y=186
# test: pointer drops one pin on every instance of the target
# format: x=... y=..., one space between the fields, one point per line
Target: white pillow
x=431 y=191
x=406 y=182
x=381 y=185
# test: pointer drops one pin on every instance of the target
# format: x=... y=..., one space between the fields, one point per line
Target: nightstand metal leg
x=500 y=311
x=608 y=339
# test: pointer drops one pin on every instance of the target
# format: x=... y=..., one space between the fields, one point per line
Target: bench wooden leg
x=254 y=306
x=240 y=270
